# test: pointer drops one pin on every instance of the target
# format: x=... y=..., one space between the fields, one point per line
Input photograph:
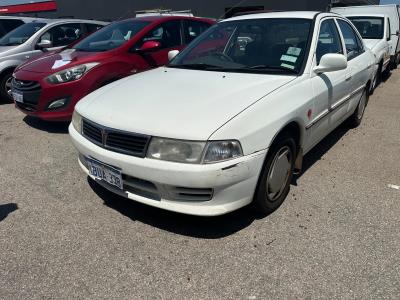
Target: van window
x=389 y=31
x=369 y=27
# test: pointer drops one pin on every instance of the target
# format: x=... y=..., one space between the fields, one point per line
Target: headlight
x=70 y=74
x=193 y=152
x=77 y=121
x=175 y=150
x=222 y=150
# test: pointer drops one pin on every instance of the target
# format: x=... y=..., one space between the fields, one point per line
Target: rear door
x=170 y=36
x=358 y=68
x=192 y=29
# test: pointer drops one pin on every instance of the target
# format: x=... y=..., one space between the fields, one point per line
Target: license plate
x=18 y=97
x=105 y=172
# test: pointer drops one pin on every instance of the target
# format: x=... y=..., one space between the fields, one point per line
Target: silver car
x=32 y=39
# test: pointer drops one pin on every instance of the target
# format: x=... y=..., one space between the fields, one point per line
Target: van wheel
x=275 y=178
x=356 y=118
x=5 y=86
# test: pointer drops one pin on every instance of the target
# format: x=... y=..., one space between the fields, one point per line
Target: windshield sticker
x=289 y=58
x=294 y=51
x=287 y=66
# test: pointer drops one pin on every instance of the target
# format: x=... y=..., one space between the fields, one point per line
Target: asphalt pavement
x=336 y=236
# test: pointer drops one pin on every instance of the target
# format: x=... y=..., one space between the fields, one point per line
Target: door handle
x=348 y=77
x=27 y=57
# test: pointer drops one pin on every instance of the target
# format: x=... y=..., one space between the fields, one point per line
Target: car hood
x=55 y=61
x=371 y=43
x=177 y=103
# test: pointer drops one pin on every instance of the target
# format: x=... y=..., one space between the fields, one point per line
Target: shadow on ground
x=51 y=127
x=197 y=227
x=323 y=147
x=6 y=209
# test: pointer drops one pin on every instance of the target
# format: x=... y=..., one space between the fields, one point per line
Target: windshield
x=251 y=46
x=21 y=34
x=111 y=36
x=369 y=27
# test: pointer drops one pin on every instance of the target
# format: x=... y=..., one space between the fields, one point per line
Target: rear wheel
x=357 y=116
x=5 y=86
x=276 y=175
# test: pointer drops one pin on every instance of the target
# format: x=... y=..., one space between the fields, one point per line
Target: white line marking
x=395 y=187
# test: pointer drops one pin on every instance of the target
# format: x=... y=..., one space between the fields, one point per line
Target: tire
x=356 y=118
x=386 y=73
x=271 y=192
x=5 y=87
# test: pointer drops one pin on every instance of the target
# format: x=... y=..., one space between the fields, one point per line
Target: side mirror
x=172 y=54
x=398 y=32
x=150 y=46
x=331 y=62
x=45 y=44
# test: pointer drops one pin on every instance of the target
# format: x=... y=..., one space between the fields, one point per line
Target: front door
x=328 y=88
x=170 y=37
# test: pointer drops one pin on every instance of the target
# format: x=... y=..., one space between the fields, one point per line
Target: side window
x=389 y=31
x=167 y=34
x=193 y=29
x=351 y=40
x=328 y=40
x=92 y=27
x=62 y=35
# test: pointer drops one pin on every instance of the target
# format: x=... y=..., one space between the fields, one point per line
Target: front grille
x=116 y=140
x=128 y=143
x=31 y=91
x=92 y=132
x=24 y=85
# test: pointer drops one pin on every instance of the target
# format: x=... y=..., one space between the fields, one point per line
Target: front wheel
x=5 y=87
x=276 y=175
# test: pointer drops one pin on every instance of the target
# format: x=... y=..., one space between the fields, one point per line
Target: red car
x=50 y=86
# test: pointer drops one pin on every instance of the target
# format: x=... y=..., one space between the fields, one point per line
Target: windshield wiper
x=272 y=68
x=197 y=66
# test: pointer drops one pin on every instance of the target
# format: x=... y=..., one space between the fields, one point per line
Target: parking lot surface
x=336 y=236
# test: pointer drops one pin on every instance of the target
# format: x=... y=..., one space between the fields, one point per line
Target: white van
x=392 y=11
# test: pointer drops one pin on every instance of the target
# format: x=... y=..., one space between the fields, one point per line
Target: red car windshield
x=111 y=36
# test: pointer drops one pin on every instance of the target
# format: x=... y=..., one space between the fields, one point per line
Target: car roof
x=19 y=18
x=362 y=15
x=75 y=20
x=166 y=18
x=278 y=15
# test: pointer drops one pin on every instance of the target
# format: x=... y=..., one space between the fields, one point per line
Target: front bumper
x=232 y=183
x=37 y=101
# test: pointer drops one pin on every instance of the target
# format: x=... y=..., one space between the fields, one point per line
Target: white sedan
x=228 y=121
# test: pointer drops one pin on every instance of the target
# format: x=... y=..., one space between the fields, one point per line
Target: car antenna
x=232 y=8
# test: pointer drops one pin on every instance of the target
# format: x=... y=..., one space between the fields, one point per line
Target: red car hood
x=56 y=61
